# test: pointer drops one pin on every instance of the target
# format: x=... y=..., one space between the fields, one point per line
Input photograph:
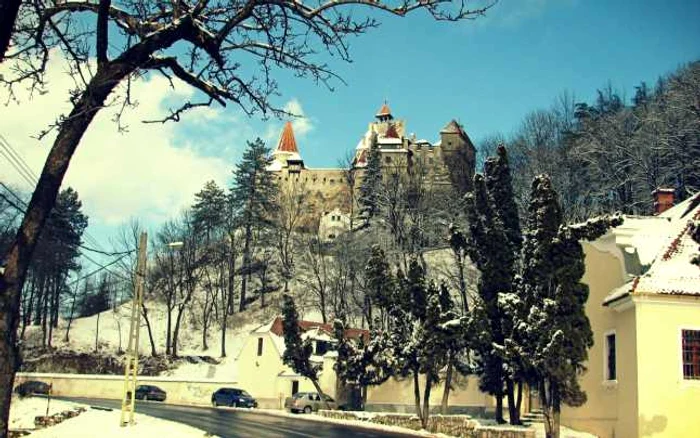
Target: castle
x=449 y=161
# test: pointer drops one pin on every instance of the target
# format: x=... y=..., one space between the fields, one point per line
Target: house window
x=260 y=346
x=321 y=348
x=295 y=386
x=690 y=351
x=610 y=357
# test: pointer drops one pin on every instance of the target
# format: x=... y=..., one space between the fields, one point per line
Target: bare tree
x=215 y=40
x=292 y=205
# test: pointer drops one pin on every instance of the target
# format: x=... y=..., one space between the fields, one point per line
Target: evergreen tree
x=380 y=286
x=297 y=353
x=209 y=210
x=361 y=362
x=371 y=184
x=253 y=196
x=490 y=249
x=556 y=326
x=418 y=340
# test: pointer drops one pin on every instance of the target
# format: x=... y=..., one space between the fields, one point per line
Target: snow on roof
x=670 y=272
x=389 y=140
x=275 y=166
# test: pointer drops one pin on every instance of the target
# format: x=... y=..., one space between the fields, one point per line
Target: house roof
x=310 y=329
x=670 y=271
x=317 y=327
x=287 y=142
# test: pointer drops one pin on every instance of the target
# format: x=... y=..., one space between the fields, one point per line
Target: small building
x=269 y=380
x=643 y=375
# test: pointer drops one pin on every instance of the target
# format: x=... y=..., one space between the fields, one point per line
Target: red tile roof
x=287 y=142
x=350 y=333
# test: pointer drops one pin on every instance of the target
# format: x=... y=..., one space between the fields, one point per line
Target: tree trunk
x=426 y=403
x=168 y=332
x=320 y=393
x=448 y=383
x=176 y=332
x=246 y=264
x=416 y=396
x=499 y=409
x=513 y=414
x=519 y=399
x=144 y=311
x=97 y=331
x=8 y=15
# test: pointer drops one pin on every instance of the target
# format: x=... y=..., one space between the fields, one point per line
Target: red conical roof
x=287 y=142
x=384 y=110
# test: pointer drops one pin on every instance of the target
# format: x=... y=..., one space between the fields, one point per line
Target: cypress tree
x=297 y=353
x=556 y=326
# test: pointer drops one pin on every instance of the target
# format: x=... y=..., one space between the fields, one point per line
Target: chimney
x=663 y=199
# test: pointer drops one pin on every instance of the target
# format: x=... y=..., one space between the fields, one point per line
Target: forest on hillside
x=611 y=154
x=240 y=246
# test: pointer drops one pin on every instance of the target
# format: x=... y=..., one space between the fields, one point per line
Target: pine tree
x=209 y=210
x=253 y=196
x=297 y=353
x=371 y=184
x=380 y=287
x=556 y=325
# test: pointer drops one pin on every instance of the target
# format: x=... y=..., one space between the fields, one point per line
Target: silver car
x=308 y=402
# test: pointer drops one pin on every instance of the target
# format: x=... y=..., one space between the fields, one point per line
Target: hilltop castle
x=450 y=160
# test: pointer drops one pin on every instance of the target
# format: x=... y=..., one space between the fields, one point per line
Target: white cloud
x=301 y=124
x=140 y=173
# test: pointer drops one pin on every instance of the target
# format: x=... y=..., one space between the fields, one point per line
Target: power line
x=30 y=176
x=122 y=253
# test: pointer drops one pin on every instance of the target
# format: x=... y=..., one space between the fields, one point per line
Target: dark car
x=149 y=392
x=233 y=397
x=32 y=387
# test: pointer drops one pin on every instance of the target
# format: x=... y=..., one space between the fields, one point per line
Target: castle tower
x=384 y=113
x=286 y=156
x=459 y=155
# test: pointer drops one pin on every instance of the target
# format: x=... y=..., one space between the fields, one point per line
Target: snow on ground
x=23 y=410
x=85 y=425
x=564 y=432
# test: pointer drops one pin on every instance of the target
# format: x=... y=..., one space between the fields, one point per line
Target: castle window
x=610 y=356
x=690 y=354
x=260 y=346
x=324 y=180
x=387 y=160
x=430 y=161
x=332 y=181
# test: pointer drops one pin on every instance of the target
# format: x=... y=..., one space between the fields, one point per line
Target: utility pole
x=131 y=365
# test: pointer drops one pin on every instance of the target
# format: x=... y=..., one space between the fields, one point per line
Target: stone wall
x=178 y=391
x=454 y=425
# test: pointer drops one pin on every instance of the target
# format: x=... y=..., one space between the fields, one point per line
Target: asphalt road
x=229 y=423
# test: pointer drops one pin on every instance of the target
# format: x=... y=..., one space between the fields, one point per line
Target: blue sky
x=487 y=73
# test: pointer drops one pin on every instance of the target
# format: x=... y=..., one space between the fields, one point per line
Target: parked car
x=32 y=387
x=149 y=392
x=233 y=397
x=308 y=402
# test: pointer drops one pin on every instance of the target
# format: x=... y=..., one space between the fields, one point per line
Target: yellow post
x=131 y=364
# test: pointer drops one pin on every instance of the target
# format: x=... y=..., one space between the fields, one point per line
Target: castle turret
x=459 y=155
x=384 y=113
x=287 y=155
